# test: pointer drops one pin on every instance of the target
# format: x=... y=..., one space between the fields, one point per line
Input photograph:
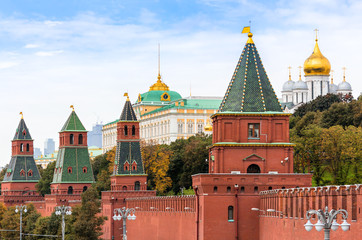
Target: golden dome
x=208 y=127
x=317 y=64
x=159 y=85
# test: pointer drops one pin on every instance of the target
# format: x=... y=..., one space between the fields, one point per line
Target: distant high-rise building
x=95 y=136
x=49 y=146
x=37 y=152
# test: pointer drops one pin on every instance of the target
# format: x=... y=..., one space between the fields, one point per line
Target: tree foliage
x=43 y=186
x=321 y=103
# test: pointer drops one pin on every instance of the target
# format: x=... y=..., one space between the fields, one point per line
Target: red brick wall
x=294 y=204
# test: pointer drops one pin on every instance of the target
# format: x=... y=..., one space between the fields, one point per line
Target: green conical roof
x=250 y=89
x=128 y=112
x=22 y=132
x=73 y=124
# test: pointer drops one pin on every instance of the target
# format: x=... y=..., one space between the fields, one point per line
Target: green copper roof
x=23 y=169
x=128 y=112
x=190 y=104
x=73 y=124
x=128 y=154
x=77 y=159
x=22 y=132
x=155 y=96
x=250 y=89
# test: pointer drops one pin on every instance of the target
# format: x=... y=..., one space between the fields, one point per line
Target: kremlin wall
x=250 y=166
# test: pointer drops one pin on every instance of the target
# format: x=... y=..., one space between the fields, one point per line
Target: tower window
x=80 y=139
x=231 y=213
x=133 y=130
x=215 y=189
x=30 y=173
x=85 y=169
x=137 y=186
x=125 y=130
x=253 y=130
x=242 y=189
x=85 y=188
x=71 y=139
x=27 y=147
x=70 y=170
x=228 y=189
x=270 y=188
x=21 y=147
x=70 y=190
x=256 y=189
x=22 y=173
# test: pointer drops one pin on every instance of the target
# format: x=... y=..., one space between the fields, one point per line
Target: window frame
x=255 y=130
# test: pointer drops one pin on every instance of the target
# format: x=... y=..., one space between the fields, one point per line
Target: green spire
x=250 y=89
x=73 y=124
x=22 y=132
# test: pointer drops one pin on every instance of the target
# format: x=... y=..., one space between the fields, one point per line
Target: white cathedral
x=317 y=82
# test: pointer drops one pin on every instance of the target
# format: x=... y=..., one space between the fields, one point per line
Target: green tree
x=344 y=114
x=85 y=223
x=43 y=186
x=321 y=103
x=102 y=166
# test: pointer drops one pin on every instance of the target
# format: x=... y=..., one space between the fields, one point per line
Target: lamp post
x=273 y=210
x=63 y=210
x=327 y=221
x=21 y=209
x=124 y=214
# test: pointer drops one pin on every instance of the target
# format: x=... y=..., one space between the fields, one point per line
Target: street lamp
x=124 y=214
x=327 y=221
x=273 y=210
x=257 y=209
x=21 y=209
x=63 y=210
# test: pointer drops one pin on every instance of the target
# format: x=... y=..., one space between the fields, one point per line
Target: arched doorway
x=85 y=188
x=70 y=190
x=253 y=168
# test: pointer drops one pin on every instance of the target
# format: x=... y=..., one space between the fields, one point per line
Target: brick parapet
x=184 y=203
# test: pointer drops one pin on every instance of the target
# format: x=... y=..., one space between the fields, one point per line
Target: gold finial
x=290 y=75
x=344 y=74
x=72 y=107
x=316 y=34
x=159 y=64
x=250 y=35
x=126 y=95
x=22 y=116
x=159 y=85
x=300 y=73
x=332 y=71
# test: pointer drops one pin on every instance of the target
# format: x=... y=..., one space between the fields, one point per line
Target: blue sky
x=88 y=53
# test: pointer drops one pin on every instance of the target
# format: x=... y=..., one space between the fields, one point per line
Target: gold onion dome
x=208 y=127
x=317 y=64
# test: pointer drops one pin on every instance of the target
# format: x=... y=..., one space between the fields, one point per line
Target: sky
x=87 y=53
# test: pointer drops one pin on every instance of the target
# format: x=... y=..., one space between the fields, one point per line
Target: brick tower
x=22 y=174
x=73 y=172
x=128 y=172
x=250 y=153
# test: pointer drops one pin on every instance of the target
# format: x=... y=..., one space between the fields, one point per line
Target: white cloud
x=48 y=53
x=4 y=65
x=29 y=45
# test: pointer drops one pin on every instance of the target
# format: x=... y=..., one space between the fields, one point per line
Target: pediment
x=254 y=157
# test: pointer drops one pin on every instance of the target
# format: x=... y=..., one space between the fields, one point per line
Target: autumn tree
x=156 y=160
x=102 y=166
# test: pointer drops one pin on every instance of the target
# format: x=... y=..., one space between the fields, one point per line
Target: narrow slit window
x=230 y=213
x=125 y=130
x=133 y=130
x=80 y=139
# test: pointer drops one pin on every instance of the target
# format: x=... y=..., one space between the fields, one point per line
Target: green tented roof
x=250 y=89
x=73 y=124
x=22 y=163
x=22 y=132
x=128 y=112
x=155 y=96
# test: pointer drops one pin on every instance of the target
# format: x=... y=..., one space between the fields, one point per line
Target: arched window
x=230 y=213
x=133 y=130
x=21 y=147
x=256 y=189
x=270 y=188
x=283 y=187
x=70 y=190
x=80 y=139
x=253 y=168
x=30 y=173
x=71 y=139
x=85 y=188
x=27 y=147
x=134 y=168
x=215 y=189
x=242 y=189
x=70 y=170
x=228 y=189
x=137 y=186
x=22 y=173
x=125 y=130
x=124 y=188
x=85 y=169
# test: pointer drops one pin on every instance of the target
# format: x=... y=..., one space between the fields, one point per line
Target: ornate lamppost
x=124 y=214
x=63 y=210
x=327 y=221
x=21 y=209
